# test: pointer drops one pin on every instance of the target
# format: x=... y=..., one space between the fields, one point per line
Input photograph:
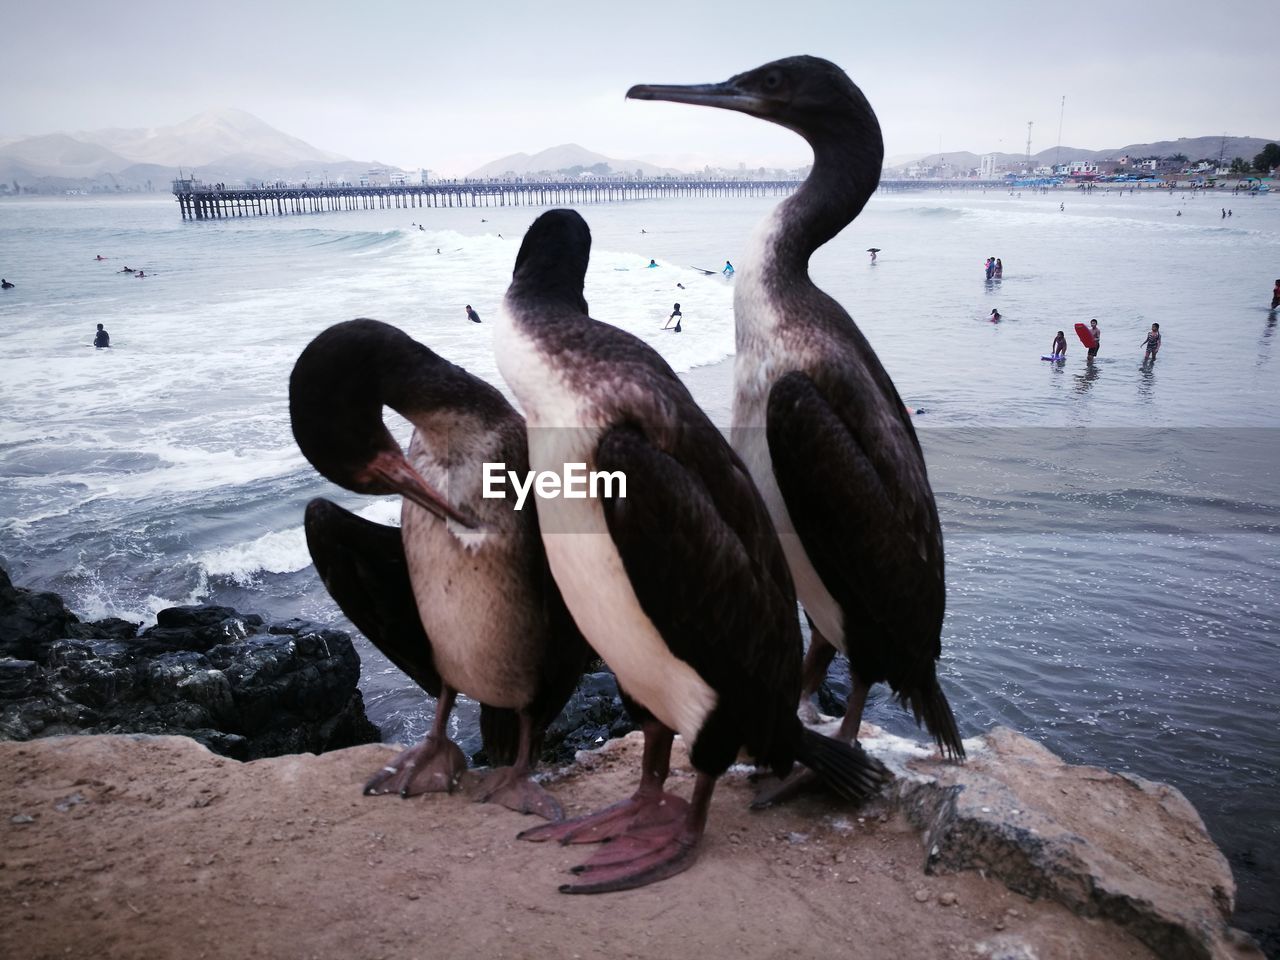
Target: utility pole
x=1029 y=123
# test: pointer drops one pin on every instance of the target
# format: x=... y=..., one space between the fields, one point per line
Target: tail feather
x=930 y=707
x=845 y=767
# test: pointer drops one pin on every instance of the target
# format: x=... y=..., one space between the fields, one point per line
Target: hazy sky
x=452 y=86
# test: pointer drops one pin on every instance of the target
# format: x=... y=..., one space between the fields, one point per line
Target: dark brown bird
x=817 y=419
x=459 y=597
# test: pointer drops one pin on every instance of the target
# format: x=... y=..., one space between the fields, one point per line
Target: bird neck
x=846 y=171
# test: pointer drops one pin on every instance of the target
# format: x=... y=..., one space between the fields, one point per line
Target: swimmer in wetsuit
x=472 y=315
x=677 y=316
x=101 y=338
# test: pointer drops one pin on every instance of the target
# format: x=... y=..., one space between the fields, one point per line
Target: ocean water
x=1111 y=529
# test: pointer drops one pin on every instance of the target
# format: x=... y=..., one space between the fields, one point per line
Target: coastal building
x=987 y=168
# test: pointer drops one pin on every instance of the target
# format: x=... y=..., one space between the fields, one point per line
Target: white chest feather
x=565 y=428
x=759 y=363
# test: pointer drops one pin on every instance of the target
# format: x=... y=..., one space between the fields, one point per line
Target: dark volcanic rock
x=593 y=715
x=208 y=672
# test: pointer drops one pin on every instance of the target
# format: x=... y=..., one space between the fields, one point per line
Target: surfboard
x=700 y=270
x=1082 y=331
x=1056 y=359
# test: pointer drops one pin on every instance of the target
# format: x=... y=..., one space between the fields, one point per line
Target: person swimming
x=472 y=315
x=101 y=338
x=5 y=284
x=653 y=264
x=99 y=257
x=995 y=316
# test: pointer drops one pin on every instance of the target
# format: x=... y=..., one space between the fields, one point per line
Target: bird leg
x=649 y=806
x=433 y=766
x=814 y=670
x=648 y=852
x=513 y=786
x=801 y=780
x=853 y=712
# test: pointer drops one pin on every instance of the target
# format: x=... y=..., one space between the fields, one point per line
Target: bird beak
x=724 y=95
x=392 y=469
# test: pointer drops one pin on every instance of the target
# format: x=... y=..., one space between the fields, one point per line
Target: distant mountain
x=224 y=143
x=1194 y=148
x=560 y=159
x=60 y=154
x=209 y=137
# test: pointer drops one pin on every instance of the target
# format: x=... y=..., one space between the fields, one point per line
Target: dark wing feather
x=363 y=567
x=854 y=481
x=699 y=548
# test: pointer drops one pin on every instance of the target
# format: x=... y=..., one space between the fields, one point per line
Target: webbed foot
x=638 y=812
x=433 y=766
x=515 y=790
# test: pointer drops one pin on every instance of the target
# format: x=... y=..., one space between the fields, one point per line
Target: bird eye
x=772 y=80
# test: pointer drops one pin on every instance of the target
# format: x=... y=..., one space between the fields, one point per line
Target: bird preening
x=687 y=586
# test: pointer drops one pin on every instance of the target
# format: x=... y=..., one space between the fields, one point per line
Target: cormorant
x=817 y=419
x=460 y=597
x=678 y=581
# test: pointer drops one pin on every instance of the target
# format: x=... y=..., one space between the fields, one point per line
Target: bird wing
x=699 y=548
x=853 y=477
x=363 y=567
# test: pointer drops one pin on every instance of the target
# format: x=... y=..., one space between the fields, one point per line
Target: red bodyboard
x=1085 y=336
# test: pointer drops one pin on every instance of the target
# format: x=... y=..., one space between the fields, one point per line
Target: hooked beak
x=724 y=95
x=392 y=469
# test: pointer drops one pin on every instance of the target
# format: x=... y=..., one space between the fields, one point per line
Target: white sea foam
x=280 y=551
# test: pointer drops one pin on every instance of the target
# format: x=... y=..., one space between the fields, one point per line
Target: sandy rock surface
x=153 y=847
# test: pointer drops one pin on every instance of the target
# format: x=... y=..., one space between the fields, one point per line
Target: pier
x=201 y=201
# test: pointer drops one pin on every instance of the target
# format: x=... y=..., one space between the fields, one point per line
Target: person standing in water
x=1096 y=331
x=472 y=315
x=999 y=269
x=995 y=315
x=728 y=269
x=677 y=316
x=1059 y=348
x=1152 y=343
x=1275 y=295
x=101 y=338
